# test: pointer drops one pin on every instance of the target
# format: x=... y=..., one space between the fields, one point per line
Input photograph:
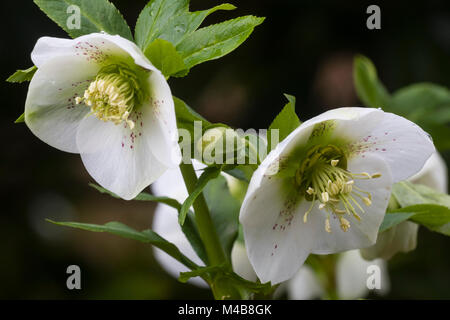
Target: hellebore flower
x=99 y=96
x=165 y=223
x=403 y=237
x=325 y=188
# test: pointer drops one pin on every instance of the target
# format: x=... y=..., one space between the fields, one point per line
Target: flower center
x=114 y=94
x=323 y=177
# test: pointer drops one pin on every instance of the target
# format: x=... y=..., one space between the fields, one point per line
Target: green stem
x=203 y=219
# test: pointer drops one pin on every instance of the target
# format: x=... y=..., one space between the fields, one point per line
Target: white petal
x=433 y=174
x=362 y=233
x=119 y=159
x=94 y=47
x=277 y=240
x=163 y=133
x=304 y=285
x=401 y=143
x=401 y=238
x=352 y=274
x=165 y=223
x=51 y=112
x=240 y=262
x=351 y=123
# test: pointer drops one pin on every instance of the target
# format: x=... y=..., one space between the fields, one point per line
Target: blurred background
x=304 y=48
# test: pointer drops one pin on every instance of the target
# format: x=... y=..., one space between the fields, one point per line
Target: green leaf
x=122 y=230
x=428 y=105
x=164 y=57
x=170 y=20
x=207 y=175
x=369 y=89
x=409 y=194
x=224 y=210
x=217 y=40
x=420 y=204
x=392 y=219
x=189 y=228
x=223 y=279
x=285 y=122
x=96 y=16
x=22 y=75
x=186 y=116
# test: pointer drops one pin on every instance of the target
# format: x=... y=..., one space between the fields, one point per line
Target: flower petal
x=277 y=240
x=351 y=275
x=163 y=133
x=119 y=159
x=362 y=233
x=51 y=112
x=304 y=285
x=94 y=48
x=433 y=174
x=402 y=144
x=240 y=262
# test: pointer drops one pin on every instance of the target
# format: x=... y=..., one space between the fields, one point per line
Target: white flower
x=403 y=237
x=325 y=188
x=351 y=279
x=98 y=95
x=165 y=223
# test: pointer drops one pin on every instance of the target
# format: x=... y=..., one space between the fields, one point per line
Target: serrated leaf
x=207 y=175
x=96 y=16
x=122 y=230
x=285 y=122
x=22 y=75
x=164 y=57
x=170 y=20
x=189 y=228
x=217 y=40
x=369 y=89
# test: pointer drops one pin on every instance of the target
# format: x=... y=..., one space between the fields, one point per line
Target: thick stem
x=203 y=219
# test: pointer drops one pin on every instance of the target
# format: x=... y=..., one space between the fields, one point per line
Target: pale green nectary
x=99 y=96
x=325 y=188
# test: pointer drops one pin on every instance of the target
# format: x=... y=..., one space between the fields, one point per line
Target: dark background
x=304 y=48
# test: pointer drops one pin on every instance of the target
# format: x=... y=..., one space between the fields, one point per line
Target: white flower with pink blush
x=99 y=96
x=325 y=188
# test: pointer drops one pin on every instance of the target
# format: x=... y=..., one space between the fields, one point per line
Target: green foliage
x=189 y=228
x=426 y=104
x=419 y=204
x=22 y=75
x=285 y=122
x=369 y=89
x=215 y=41
x=207 y=175
x=21 y=118
x=122 y=230
x=186 y=117
x=96 y=16
x=224 y=210
x=227 y=284
x=172 y=21
x=164 y=57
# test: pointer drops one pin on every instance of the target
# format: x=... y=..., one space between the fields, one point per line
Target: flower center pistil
x=323 y=177
x=113 y=95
